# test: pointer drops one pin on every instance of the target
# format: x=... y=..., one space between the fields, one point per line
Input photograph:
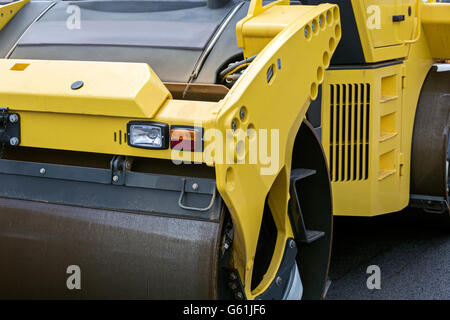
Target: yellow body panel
x=381 y=38
x=124 y=90
x=394 y=93
x=388 y=32
x=108 y=134
x=436 y=24
x=8 y=11
x=363 y=144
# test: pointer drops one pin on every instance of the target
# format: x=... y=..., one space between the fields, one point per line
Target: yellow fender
x=436 y=25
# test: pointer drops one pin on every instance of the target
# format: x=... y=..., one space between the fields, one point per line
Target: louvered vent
x=349 y=131
x=120 y=137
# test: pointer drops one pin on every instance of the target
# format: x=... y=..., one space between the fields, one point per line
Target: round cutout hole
x=314 y=91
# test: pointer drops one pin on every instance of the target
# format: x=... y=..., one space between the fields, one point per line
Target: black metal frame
x=278 y=287
x=116 y=188
x=8 y=129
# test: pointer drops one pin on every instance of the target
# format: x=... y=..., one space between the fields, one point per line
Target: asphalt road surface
x=410 y=248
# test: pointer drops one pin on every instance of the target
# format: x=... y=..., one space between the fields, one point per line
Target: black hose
x=233 y=66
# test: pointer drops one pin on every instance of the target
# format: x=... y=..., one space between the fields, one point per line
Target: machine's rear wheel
x=430 y=147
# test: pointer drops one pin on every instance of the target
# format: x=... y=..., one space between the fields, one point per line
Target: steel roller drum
x=120 y=254
x=429 y=173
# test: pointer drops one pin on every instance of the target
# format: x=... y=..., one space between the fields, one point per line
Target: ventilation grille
x=349 y=131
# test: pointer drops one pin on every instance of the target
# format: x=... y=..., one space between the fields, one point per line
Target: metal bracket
x=279 y=285
x=429 y=204
x=119 y=167
x=180 y=200
x=9 y=128
x=302 y=234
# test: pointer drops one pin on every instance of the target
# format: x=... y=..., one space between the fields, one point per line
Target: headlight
x=150 y=135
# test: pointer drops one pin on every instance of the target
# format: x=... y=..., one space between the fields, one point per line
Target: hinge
x=403 y=76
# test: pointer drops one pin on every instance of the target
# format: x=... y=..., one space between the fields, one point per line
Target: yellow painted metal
x=107 y=134
x=363 y=146
x=417 y=27
x=93 y=118
x=436 y=25
x=381 y=38
x=298 y=59
x=394 y=92
x=124 y=90
x=8 y=11
x=266 y=23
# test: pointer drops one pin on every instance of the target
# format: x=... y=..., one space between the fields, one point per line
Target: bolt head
x=242 y=114
x=14 y=141
x=279 y=281
x=239 y=295
x=292 y=244
x=116 y=178
x=233 y=286
x=233 y=276
x=194 y=186
x=42 y=171
x=233 y=125
x=77 y=85
x=13 y=118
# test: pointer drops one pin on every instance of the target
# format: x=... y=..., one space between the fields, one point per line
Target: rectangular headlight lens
x=151 y=135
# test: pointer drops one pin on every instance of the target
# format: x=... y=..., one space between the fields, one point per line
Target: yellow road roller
x=186 y=149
